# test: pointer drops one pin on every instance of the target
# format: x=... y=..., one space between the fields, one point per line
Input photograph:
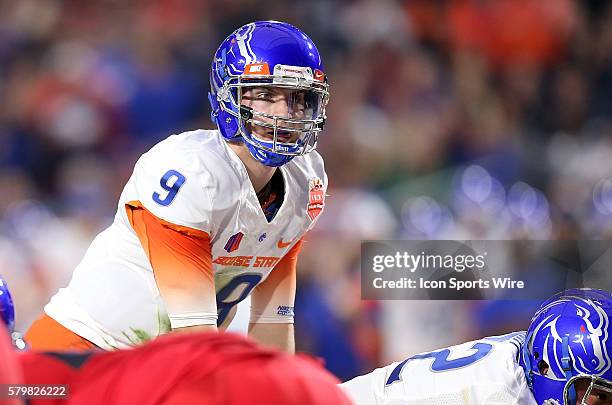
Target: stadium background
x=448 y=119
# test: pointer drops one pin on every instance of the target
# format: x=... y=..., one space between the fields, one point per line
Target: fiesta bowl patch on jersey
x=316 y=198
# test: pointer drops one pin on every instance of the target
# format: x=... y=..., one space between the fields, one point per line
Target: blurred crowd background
x=461 y=119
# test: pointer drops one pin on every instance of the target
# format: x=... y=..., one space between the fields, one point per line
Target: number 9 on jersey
x=171 y=182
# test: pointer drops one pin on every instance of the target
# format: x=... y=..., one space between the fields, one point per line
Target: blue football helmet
x=7 y=310
x=269 y=54
x=569 y=339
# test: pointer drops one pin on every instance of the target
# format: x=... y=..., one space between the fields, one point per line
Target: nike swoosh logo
x=282 y=245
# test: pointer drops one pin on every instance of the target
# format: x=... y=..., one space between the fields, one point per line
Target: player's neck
x=259 y=174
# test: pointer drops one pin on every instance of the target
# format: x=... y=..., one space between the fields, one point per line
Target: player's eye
x=259 y=94
x=263 y=95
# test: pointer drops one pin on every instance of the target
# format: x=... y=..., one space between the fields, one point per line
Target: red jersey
x=208 y=368
x=9 y=371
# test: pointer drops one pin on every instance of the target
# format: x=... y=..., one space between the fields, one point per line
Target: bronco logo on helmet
x=569 y=340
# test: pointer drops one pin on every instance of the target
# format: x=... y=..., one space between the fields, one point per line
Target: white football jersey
x=192 y=180
x=481 y=372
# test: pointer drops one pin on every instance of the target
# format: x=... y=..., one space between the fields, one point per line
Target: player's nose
x=282 y=108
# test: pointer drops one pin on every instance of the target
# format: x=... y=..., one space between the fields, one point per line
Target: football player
x=565 y=357
x=210 y=217
x=202 y=368
x=198 y=368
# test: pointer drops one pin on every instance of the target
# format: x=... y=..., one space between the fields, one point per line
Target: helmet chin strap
x=263 y=156
x=566 y=364
x=267 y=158
x=527 y=361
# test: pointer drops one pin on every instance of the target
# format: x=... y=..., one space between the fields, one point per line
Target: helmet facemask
x=274 y=139
x=594 y=383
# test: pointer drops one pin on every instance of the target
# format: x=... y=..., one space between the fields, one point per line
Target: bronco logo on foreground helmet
x=7 y=316
x=7 y=310
x=569 y=341
x=274 y=54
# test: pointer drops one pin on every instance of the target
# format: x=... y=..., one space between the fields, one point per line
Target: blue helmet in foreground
x=7 y=310
x=269 y=54
x=569 y=340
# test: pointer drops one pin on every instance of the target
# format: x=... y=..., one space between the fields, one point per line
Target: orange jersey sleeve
x=272 y=301
x=47 y=334
x=181 y=258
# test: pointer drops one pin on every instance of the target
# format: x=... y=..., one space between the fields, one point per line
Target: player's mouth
x=281 y=136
